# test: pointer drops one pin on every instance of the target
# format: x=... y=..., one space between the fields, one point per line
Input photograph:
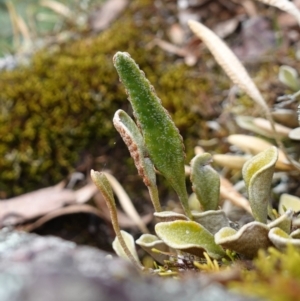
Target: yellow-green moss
x=275 y=277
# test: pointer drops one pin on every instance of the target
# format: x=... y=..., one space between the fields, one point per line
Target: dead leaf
x=295 y=134
x=249 y=7
x=224 y=29
x=73 y=209
x=286 y=117
x=58 y=7
x=265 y=125
x=255 y=145
x=171 y=48
x=37 y=203
x=109 y=11
x=230 y=161
x=228 y=192
x=176 y=34
x=85 y=193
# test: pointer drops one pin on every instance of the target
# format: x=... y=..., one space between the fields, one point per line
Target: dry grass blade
x=171 y=48
x=286 y=6
x=229 y=62
x=23 y=29
x=58 y=7
x=228 y=192
x=109 y=11
x=230 y=161
x=264 y=124
x=18 y=24
x=126 y=202
x=255 y=145
x=85 y=193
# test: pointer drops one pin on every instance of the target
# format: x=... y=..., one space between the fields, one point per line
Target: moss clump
x=63 y=103
x=275 y=277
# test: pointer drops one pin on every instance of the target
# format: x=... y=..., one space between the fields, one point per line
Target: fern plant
x=155 y=144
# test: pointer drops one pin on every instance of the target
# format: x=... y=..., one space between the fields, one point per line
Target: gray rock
x=36 y=268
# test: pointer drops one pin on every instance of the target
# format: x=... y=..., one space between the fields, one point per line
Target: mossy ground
x=61 y=105
x=275 y=276
x=58 y=110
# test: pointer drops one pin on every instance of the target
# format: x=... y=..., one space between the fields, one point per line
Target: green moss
x=63 y=103
x=275 y=277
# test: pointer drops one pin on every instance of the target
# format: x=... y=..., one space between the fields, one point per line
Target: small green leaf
x=190 y=237
x=288 y=201
x=206 y=181
x=160 y=134
x=211 y=220
x=295 y=234
x=281 y=239
x=284 y=222
x=289 y=76
x=104 y=186
x=246 y=241
x=295 y=133
x=257 y=174
x=135 y=143
x=149 y=242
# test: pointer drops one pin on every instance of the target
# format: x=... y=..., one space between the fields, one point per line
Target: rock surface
x=35 y=268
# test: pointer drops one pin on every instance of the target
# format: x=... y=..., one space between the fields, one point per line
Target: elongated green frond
x=161 y=137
